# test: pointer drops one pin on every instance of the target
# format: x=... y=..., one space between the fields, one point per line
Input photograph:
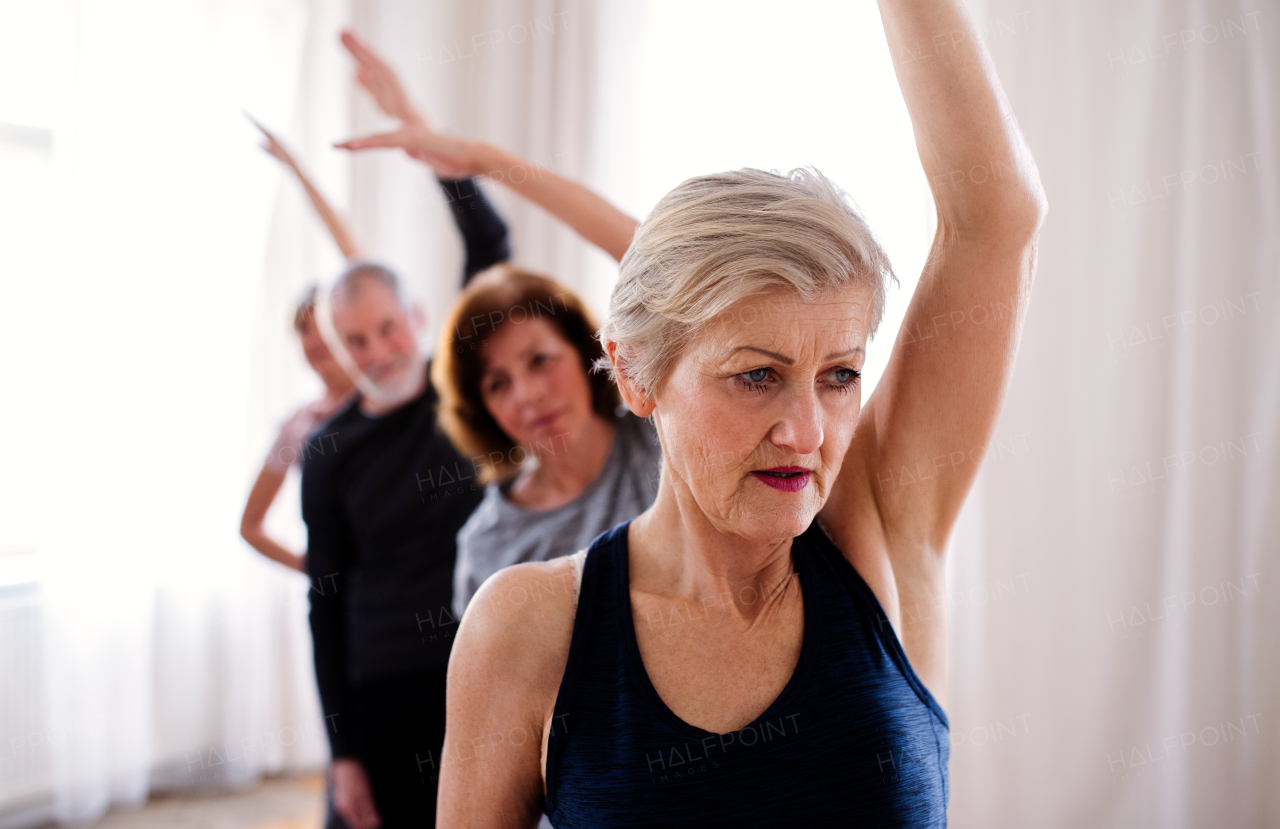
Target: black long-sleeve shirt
x=383 y=499
x=484 y=234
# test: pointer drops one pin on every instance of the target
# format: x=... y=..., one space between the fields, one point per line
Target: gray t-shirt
x=500 y=534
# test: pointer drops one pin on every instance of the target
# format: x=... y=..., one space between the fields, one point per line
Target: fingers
x=354 y=45
x=373 y=83
x=369 y=813
x=254 y=121
x=271 y=141
x=353 y=800
x=352 y=795
x=363 y=812
x=361 y=51
x=357 y=816
x=344 y=806
x=370 y=142
x=379 y=80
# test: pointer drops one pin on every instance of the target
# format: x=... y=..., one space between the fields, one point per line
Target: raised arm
x=337 y=227
x=484 y=234
x=591 y=216
x=924 y=430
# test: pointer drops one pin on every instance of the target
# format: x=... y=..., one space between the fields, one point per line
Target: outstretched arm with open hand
x=337 y=227
x=591 y=216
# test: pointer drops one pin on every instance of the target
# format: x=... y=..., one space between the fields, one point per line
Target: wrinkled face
x=535 y=386
x=757 y=413
x=381 y=337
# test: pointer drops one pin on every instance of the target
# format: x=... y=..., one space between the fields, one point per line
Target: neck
x=564 y=469
x=677 y=550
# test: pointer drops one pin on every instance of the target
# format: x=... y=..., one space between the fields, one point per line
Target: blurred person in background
x=291 y=441
x=485 y=242
x=560 y=460
x=381 y=525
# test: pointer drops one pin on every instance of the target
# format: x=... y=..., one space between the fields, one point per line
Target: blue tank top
x=854 y=739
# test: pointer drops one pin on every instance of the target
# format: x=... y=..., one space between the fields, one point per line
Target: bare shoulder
x=519 y=625
x=504 y=674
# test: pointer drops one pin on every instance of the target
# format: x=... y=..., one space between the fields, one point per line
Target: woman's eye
x=753 y=380
x=844 y=379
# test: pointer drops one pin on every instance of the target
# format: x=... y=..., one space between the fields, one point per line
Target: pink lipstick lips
x=785 y=478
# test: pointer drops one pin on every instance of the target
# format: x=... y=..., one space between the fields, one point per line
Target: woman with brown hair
x=561 y=461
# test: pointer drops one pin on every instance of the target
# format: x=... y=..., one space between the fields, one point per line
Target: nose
x=800 y=429
x=373 y=355
x=529 y=389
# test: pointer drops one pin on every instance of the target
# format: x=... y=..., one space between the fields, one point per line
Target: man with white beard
x=384 y=494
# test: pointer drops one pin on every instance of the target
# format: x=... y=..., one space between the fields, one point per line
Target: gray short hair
x=716 y=240
x=351 y=280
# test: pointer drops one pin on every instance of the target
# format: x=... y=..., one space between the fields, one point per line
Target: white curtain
x=1116 y=640
x=173 y=655
x=1116 y=651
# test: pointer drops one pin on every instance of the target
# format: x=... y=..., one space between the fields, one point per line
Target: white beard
x=391 y=394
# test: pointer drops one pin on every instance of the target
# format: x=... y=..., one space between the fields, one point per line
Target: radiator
x=25 y=785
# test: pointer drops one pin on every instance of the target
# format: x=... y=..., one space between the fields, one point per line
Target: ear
x=637 y=400
x=417 y=318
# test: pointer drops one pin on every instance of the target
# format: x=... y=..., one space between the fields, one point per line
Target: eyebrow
x=782 y=358
x=522 y=353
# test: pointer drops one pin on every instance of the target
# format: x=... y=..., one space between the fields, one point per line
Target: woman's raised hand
x=380 y=80
x=337 y=227
x=273 y=146
x=449 y=157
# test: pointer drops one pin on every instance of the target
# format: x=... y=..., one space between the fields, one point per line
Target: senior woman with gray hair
x=752 y=649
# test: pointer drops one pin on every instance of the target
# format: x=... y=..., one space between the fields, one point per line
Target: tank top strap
x=576 y=562
x=847 y=735
x=814 y=543
x=594 y=622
